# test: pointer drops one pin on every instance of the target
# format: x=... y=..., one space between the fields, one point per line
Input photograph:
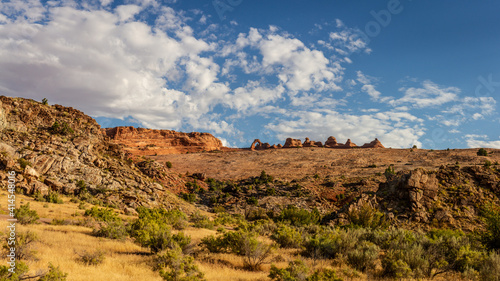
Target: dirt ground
x=296 y=163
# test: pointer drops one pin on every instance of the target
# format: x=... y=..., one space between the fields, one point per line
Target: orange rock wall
x=140 y=141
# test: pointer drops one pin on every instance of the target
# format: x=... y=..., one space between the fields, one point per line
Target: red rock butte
x=140 y=141
x=331 y=142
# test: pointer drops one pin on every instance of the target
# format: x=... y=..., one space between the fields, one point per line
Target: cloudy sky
x=423 y=73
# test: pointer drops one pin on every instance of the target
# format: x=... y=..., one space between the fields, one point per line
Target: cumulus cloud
x=475 y=141
x=429 y=95
x=359 y=128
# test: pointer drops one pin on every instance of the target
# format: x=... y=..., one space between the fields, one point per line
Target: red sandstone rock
x=256 y=141
x=289 y=143
x=140 y=141
x=331 y=142
x=374 y=144
x=349 y=144
x=310 y=143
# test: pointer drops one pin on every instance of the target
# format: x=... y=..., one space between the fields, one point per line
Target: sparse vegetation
x=482 y=152
x=25 y=215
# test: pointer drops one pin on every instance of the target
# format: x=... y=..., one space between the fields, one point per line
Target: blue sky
x=423 y=73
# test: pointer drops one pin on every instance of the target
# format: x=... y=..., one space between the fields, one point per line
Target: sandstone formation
x=374 y=144
x=331 y=142
x=57 y=148
x=140 y=141
x=289 y=143
x=309 y=143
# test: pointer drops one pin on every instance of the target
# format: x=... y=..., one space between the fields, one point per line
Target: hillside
x=309 y=213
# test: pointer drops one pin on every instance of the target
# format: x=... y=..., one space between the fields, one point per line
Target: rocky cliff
x=57 y=148
x=140 y=141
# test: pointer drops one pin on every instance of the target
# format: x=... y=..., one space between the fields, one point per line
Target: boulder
x=374 y=144
x=331 y=142
x=289 y=143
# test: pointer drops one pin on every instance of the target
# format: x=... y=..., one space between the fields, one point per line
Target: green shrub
x=112 y=230
x=487 y=164
x=61 y=128
x=298 y=217
x=491 y=237
x=91 y=258
x=295 y=271
x=23 y=163
x=21 y=270
x=482 y=152
x=367 y=216
x=153 y=229
x=54 y=274
x=287 y=237
x=253 y=201
x=53 y=197
x=298 y=271
x=168 y=164
x=201 y=221
x=175 y=266
x=102 y=214
x=189 y=197
x=45 y=101
x=24 y=244
x=363 y=257
x=490 y=269
x=389 y=171
x=25 y=215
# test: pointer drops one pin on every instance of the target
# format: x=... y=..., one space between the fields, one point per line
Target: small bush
x=295 y=271
x=61 y=128
x=363 y=257
x=112 y=230
x=287 y=237
x=53 y=197
x=23 y=163
x=298 y=217
x=168 y=164
x=482 y=152
x=102 y=214
x=491 y=237
x=487 y=164
x=45 y=101
x=54 y=274
x=25 y=215
x=189 y=197
x=253 y=201
x=91 y=258
x=201 y=221
x=368 y=217
x=24 y=244
x=175 y=266
x=389 y=171
x=490 y=269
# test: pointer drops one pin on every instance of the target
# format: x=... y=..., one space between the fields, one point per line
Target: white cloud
x=360 y=129
x=296 y=66
x=475 y=141
x=429 y=95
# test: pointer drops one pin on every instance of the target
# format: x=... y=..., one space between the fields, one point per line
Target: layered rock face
x=140 y=141
x=57 y=148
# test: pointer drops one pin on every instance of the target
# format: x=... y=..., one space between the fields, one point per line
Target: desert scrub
x=107 y=223
x=25 y=215
x=23 y=163
x=201 y=221
x=91 y=258
x=153 y=229
x=51 y=197
x=367 y=217
x=482 y=152
x=54 y=274
x=298 y=217
x=24 y=244
x=491 y=237
x=287 y=237
x=241 y=243
x=62 y=128
x=298 y=271
x=176 y=266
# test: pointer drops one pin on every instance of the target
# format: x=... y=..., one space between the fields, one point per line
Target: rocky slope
x=56 y=148
x=140 y=141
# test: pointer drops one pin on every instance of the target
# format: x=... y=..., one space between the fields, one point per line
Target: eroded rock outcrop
x=289 y=143
x=331 y=142
x=374 y=144
x=57 y=148
x=140 y=141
